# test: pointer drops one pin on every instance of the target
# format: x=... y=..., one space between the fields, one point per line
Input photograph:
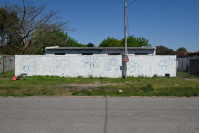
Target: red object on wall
x=4 y=57
x=126 y=59
x=0 y=63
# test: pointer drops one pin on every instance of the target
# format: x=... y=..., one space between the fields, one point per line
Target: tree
x=161 y=50
x=4 y=24
x=182 y=49
x=135 y=42
x=47 y=41
x=110 y=42
x=90 y=44
x=32 y=24
x=131 y=42
x=64 y=41
x=3 y=18
x=143 y=42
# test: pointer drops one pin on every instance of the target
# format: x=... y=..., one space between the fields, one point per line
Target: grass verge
x=184 y=74
x=132 y=86
x=7 y=74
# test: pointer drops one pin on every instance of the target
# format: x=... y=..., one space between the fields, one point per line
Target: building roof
x=99 y=48
x=197 y=52
x=179 y=54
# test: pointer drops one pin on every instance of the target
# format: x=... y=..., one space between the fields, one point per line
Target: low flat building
x=56 y=50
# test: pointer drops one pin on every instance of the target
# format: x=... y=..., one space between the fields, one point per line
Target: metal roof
x=98 y=48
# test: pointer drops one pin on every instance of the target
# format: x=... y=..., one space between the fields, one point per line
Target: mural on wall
x=111 y=62
x=28 y=64
x=86 y=65
x=62 y=64
x=92 y=62
x=134 y=68
x=165 y=64
x=117 y=70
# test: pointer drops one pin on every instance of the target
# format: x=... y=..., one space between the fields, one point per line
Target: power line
x=127 y=24
x=120 y=35
x=128 y=34
x=131 y=3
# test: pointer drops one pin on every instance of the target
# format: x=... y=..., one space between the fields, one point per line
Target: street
x=99 y=115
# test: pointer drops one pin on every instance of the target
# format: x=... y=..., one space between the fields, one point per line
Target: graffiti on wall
x=95 y=65
x=117 y=70
x=134 y=68
x=111 y=62
x=28 y=64
x=92 y=62
x=61 y=64
x=165 y=64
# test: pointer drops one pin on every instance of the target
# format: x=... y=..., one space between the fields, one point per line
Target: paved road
x=99 y=115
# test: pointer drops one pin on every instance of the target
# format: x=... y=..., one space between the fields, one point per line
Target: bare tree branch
x=28 y=23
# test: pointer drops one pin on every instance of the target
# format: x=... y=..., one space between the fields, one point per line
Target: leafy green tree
x=143 y=42
x=90 y=44
x=135 y=42
x=62 y=40
x=131 y=42
x=57 y=38
x=161 y=50
x=182 y=49
x=115 y=43
x=80 y=45
x=110 y=42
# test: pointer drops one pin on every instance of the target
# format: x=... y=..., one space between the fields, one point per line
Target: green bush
x=148 y=88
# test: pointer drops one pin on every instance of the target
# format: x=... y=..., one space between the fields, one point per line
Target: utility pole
x=125 y=40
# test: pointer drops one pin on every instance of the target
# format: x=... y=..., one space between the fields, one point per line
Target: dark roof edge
x=56 y=47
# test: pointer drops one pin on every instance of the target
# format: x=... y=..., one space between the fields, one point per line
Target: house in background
x=181 y=54
x=56 y=50
x=193 y=55
x=188 y=62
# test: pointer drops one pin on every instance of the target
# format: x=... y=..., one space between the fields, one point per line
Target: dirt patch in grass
x=5 y=78
x=195 y=80
x=86 y=86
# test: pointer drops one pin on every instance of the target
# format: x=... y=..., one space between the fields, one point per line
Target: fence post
x=176 y=66
x=187 y=68
x=3 y=67
x=182 y=64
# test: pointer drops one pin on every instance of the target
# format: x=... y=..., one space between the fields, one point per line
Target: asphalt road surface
x=99 y=115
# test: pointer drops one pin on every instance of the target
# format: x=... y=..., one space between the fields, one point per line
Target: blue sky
x=171 y=23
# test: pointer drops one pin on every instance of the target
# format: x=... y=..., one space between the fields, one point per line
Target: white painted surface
x=99 y=65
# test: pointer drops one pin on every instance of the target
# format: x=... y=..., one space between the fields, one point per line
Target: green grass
x=7 y=74
x=132 y=86
x=194 y=77
x=184 y=74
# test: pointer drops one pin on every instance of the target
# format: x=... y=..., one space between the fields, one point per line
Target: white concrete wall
x=146 y=65
x=99 y=65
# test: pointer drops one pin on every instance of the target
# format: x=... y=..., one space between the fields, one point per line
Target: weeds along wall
x=99 y=65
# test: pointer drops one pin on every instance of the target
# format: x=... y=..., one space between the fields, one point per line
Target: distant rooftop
x=197 y=52
x=180 y=53
x=57 y=47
